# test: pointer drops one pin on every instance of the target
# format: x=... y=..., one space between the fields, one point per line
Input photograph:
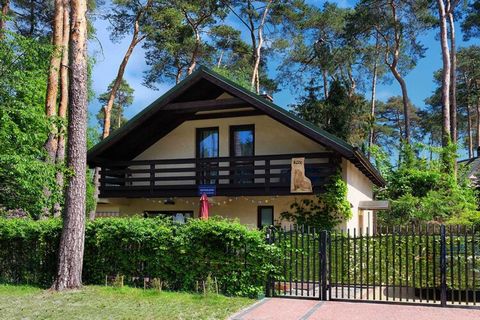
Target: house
x=209 y=135
x=470 y=168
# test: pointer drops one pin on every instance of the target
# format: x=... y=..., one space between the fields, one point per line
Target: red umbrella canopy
x=203 y=213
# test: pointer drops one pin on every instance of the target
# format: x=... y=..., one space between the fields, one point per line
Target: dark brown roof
x=156 y=121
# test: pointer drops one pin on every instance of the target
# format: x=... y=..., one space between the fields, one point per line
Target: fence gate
x=433 y=264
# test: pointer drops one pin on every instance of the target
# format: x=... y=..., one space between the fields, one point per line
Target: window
x=176 y=215
x=265 y=216
x=242 y=144
x=207 y=148
x=242 y=141
x=207 y=143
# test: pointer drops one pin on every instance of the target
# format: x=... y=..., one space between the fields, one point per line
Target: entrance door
x=242 y=144
x=207 y=150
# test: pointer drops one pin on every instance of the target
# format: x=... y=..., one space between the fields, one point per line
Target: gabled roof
x=156 y=120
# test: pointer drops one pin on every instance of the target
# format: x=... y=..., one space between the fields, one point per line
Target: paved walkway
x=297 y=309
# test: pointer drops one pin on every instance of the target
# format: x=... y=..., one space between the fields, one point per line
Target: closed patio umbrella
x=203 y=213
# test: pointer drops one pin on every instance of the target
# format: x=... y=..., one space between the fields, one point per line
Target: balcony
x=231 y=176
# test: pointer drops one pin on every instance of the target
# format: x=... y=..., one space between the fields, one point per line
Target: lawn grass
x=96 y=302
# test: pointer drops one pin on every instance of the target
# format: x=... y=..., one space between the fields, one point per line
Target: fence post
x=323 y=264
x=269 y=280
x=443 y=267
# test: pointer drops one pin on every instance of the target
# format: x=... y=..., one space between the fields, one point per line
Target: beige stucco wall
x=271 y=137
x=242 y=208
x=360 y=188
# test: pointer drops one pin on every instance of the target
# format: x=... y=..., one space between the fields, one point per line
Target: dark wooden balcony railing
x=257 y=175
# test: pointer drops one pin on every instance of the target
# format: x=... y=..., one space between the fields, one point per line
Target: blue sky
x=109 y=55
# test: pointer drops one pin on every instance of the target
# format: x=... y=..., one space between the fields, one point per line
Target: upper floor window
x=242 y=141
x=207 y=142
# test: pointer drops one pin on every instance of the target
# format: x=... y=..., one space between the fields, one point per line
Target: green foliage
x=180 y=255
x=341 y=114
x=24 y=176
x=471 y=23
x=423 y=190
x=123 y=99
x=326 y=211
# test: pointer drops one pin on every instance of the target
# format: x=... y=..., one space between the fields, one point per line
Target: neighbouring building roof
x=156 y=120
x=471 y=168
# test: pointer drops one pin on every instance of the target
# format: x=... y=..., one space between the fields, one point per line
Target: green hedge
x=179 y=255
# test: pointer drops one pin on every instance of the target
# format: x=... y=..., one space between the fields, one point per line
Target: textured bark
x=5 y=7
x=255 y=82
x=373 y=97
x=477 y=144
x=70 y=254
x=193 y=59
x=52 y=83
x=469 y=132
x=442 y=14
x=62 y=109
x=453 y=78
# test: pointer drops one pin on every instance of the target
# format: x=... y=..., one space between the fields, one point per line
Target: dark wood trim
x=225 y=114
x=260 y=177
x=259 y=215
x=205 y=105
x=190 y=160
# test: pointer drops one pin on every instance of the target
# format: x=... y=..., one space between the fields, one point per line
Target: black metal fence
x=433 y=264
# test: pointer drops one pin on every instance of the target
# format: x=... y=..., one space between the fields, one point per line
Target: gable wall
x=360 y=188
x=271 y=137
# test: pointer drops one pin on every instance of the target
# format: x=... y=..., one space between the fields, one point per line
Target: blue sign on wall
x=209 y=189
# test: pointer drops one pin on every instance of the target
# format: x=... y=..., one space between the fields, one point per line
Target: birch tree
x=70 y=254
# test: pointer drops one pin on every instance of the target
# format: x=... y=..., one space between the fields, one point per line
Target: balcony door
x=207 y=152
x=242 y=145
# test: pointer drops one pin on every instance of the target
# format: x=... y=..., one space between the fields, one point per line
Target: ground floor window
x=176 y=215
x=265 y=216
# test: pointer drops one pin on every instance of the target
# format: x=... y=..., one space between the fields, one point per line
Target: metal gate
x=432 y=264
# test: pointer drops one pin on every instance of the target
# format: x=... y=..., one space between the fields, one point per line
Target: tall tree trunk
x=107 y=109
x=393 y=66
x=5 y=7
x=70 y=254
x=373 y=98
x=193 y=60
x=453 y=79
x=255 y=82
x=469 y=132
x=31 y=18
x=445 y=74
x=52 y=83
x=325 y=83
x=405 y=102
x=62 y=109
x=477 y=144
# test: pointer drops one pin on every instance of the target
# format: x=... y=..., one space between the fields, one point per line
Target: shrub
x=326 y=210
x=181 y=256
